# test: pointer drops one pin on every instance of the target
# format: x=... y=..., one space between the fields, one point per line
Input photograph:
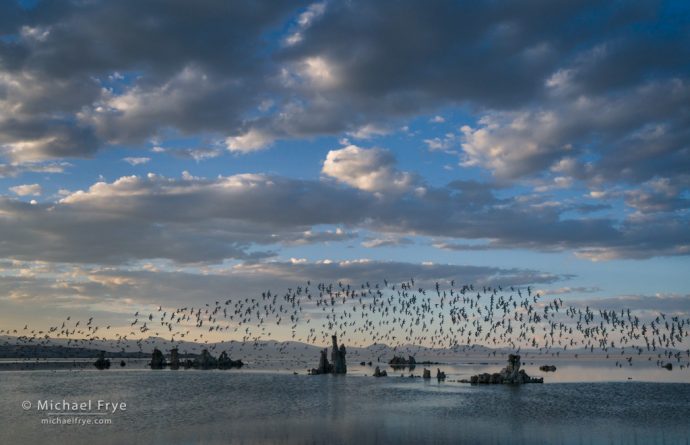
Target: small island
x=203 y=361
x=511 y=374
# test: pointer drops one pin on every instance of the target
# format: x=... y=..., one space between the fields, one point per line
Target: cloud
x=191 y=219
x=198 y=154
x=388 y=241
x=16 y=169
x=252 y=140
x=88 y=285
x=304 y=21
x=27 y=190
x=657 y=195
x=322 y=236
x=136 y=160
x=668 y=303
x=633 y=136
x=461 y=246
x=193 y=100
x=441 y=144
x=371 y=169
x=515 y=58
x=64 y=95
x=186 y=220
x=368 y=131
x=612 y=97
x=569 y=290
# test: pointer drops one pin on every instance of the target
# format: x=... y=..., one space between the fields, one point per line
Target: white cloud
x=27 y=190
x=512 y=144
x=253 y=140
x=320 y=72
x=368 y=131
x=370 y=169
x=136 y=160
x=441 y=144
x=304 y=21
x=386 y=241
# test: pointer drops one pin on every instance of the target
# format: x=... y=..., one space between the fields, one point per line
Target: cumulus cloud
x=369 y=169
x=605 y=107
x=63 y=95
x=505 y=60
x=27 y=190
x=252 y=140
x=442 y=144
x=194 y=219
x=656 y=195
x=634 y=136
x=611 y=97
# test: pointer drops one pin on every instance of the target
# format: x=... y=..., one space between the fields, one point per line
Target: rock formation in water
x=174 y=359
x=426 y=374
x=339 y=365
x=324 y=366
x=101 y=361
x=338 y=357
x=157 y=359
x=440 y=375
x=225 y=362
x=511 y=374
x=547 y=368
x=379 y=373
x=205 y=361
x=401 y=362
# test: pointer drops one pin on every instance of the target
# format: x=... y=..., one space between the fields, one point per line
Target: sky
x=173 y=152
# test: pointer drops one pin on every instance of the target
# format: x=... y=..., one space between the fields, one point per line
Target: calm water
x=218 y=407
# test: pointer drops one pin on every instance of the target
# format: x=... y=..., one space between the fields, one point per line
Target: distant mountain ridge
x=10 y=347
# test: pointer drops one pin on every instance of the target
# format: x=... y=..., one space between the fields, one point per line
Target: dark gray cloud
x=197 y=220
x=630 y=137
x=602 y=85
x=188 y=220
x=599 y=89
x=75 y=75
x=493 y=54
x=93 y=286
x=561 y=91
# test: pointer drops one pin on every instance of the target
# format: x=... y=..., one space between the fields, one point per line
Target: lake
x=269 y=406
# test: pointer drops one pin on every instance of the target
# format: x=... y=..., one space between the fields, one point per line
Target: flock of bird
x=401 y=317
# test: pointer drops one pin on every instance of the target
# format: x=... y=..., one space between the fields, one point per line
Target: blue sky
x=140 y=138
